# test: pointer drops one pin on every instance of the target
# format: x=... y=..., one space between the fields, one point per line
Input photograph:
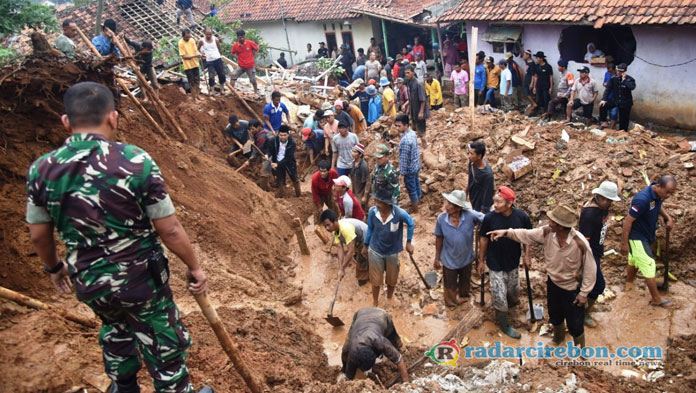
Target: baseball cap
x=584 y=69
x=328 y=113
x=621 y=67
x=489 y=60
x=502 y=62
x=508 y=56
x=342 y=124
x=372 y=82
x=342 y=181
x=399 y=80
x=507 y=193
x=381 y=151
x=563 y=63
x=305 y=133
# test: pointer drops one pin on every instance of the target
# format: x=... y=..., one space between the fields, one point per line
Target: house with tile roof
x=292 y=24
x=656 y=38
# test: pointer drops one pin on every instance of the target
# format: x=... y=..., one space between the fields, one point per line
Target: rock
x=684 y=147
x=430 y=309
x=293 y=299
x=98 y=380
x=182 y=165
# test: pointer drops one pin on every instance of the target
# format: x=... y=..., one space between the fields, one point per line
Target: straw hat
x=457 y=197
x=563 y=216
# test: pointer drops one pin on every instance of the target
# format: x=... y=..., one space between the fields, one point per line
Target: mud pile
x=240 y=233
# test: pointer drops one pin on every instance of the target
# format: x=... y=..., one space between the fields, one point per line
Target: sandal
x=664 y=304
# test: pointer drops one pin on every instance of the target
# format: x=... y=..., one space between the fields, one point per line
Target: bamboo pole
x=38 y=305
x=142 y=108
x=472 y=62
x=228 y=345
x=232 y=63
x=150 y=91
x=247 y=106
x=123 y=86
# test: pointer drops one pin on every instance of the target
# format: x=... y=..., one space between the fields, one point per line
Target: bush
x=17 y=15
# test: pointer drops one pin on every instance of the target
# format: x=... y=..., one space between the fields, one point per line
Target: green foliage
x=168 y=50
x=16 y=15
x=324 y=64
x=7 y=55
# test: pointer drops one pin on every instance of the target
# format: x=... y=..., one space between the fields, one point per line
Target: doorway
x=331 y=43
x=347 y=37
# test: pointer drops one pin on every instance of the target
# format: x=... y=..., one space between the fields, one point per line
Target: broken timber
x=301 y=240
x=38 y=305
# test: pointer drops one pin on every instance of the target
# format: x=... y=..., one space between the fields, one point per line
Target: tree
x=16 y=15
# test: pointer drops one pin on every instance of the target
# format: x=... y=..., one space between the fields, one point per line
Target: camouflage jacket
x=386 y=177
x=101 y=196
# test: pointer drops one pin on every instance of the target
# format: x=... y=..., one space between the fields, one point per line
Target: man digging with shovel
x=114 y=258
x=503 y=256
x=570 y=267
x=349 y=234
x=454 y=237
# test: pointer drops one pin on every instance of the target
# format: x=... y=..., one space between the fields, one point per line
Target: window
x=616 y=42
x=503 y=47
x=503 y=39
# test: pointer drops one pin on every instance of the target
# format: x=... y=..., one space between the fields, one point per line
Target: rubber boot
x=504 y=325
x=129 y=385
x=579 y=341
x=559 y=334
x=589 y=321
x=206 y=389
x=298 y=189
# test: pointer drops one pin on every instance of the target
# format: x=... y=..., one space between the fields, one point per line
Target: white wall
x=664 y=96
x=302 y=33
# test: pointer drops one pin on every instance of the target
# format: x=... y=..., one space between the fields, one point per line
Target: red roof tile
x=629 y=12
x=298 y=10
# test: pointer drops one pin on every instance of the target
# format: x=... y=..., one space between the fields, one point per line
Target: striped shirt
x=409 y=156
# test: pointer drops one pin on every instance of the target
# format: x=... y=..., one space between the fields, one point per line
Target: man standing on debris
x=409 y=160
x=348 y=204
x=273 y=113
x=594 y=224
x=420 y=68
x=184 y=7
x=343 y=145
x=372 y=334
x=565 y=84
x=347 y=61
x=143 y=57
x=529 y=79
x=374 y=105
x=189 y=55
x=542 y=83
x=64 y=42
x=374 y=48
x=401 y=95
x=388 y=98
x=314 y=141
x=503 y=256
x=245 y=50
x=434 y=90
x=480 y=81
x=492 y=81
x=281 y=60
x=360 y=174
x=454 y=237
x=460 y=86
x=384 y=176
x=385 y=234
x=619 y=87
x=570 y=267
x=517 y=80
x=210 y=48
x=358 y=121
x=481 y=182
x=639 y=233
x=348 y=234
x=418 y=104
x=341 y=115
x=114 y=258
x=104 y=42
x=505 y=86
x=322 y=188
x=283 y=160
x=583 y=94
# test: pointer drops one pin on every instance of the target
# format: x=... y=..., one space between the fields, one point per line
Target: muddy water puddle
x=625 y=320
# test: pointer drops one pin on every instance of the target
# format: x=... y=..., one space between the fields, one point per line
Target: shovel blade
x=334 y=321
x=538 y=313
x=431 y=278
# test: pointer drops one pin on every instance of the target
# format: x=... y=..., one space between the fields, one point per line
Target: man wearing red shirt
x=322 y=187
x=245 y=51
x=418 y=48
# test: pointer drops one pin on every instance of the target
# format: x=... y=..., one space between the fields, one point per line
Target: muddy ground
x=273 y=300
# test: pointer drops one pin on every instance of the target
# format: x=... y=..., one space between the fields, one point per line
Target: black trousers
x=543 y=97
x=561 y=308
x=289 y=168
x=215 y=67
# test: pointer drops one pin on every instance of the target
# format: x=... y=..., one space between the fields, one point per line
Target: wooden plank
x=472 y=67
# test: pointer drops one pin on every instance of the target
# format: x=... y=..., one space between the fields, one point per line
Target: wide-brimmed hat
x=563 y=216
x=384 y=81
x=383 y=195
x=540 y=54
x=457 y=197
x=508 y=55
x=342 y=181
x=608 y=190
x=381 y=151
x=371 y=90
x=326 y=106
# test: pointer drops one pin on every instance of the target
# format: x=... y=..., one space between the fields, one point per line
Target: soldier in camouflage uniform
x=101 y=197
x=384 y=176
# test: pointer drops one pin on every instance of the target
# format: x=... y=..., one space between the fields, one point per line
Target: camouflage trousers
x=505 y=288
x=152 y=327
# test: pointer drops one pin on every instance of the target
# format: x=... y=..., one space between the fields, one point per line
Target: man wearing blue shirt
x=639 y=233
x=385 y=233
x=480 y=79
x=273 y=113
x=454 y=252
x=104 y=41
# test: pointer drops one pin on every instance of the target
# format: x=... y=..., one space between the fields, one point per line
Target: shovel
x=432 y=278
x=664 y=285
x=330 y=318
x=535 y=313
